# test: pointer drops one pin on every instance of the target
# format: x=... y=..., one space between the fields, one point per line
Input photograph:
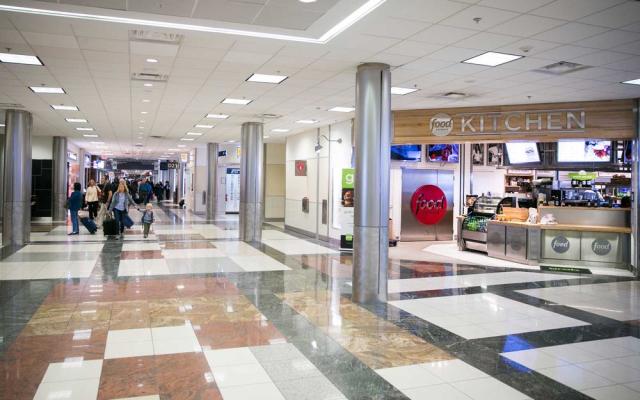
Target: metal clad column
x=212 y=179
x=2 y=138
x=372 y=140
x=82 y=178
x=16 y=221
x=251 y=182
x=635 y=187
x=60 y=178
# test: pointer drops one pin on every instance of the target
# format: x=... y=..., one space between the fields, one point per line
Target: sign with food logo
x=560 y=244
x=601 y=247
x=429 y=204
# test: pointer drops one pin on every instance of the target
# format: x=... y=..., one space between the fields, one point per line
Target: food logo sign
x=429 y=204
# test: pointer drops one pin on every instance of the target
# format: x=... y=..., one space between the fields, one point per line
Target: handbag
x=127 y=221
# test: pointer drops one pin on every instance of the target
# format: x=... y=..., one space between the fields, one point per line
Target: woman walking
x=120 y=203
x=92 y=197
x=75 y=204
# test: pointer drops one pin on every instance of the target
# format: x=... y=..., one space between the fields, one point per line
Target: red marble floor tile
x=141 y=255
x=189 y=287
x=88 y=344
x=221 y=335
x=185 y=376
x=19 y=378
x=184 y=236
x=188 y=245
x=128 y=377
x=67 y=292
x=334 y=266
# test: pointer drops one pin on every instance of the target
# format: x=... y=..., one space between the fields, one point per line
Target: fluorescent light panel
x=84 y=129
x=492 y=59
x=47 y=90
x=217 y=116
x=203 y=126
x=306 y=121
x=342 y=109
x=64 y=108
x=402 y=91
x=185 y=139
x=12 y=58
x=194 y=133
x=280 y=130
x=264 y=78
x=89 y=135
x=76 y=120
x=633 y=82
x=334 y=31
x=241 y=102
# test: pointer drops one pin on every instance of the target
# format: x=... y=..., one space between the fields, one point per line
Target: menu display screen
x=584 y=151
x=443 y=153
x=523 y=152
x=406 y=152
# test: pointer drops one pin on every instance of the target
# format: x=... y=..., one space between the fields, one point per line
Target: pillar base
x=370 y=286
x=251 y=225
x=14 y=230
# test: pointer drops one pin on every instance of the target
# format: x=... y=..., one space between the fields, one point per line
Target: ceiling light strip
x=340 y=27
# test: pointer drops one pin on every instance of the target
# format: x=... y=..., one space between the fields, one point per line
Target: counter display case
x=473 y=226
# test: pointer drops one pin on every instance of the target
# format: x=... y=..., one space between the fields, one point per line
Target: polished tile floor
x=192 y=313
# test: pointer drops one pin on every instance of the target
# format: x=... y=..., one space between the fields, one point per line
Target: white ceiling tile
x=455 y=54
x=601 y=58
x=423 y=10
x=527 y=47
x=413 y=48
x=381 y=25
x=526 y=25
x=50 y=40
x=562 y=53
x=153 y=49
x=440 y=34
x=633 y=48
x=92 y=43
x=570 y=32
x=515 y=5
x=616 y=17
x=609 y=39
x=574 y=9
x=41 y=24
x=490 y=17
x=392 y=59
x=486 y=41
x=629 y=64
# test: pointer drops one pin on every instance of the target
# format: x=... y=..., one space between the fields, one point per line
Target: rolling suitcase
x=89 y=224
x=110 y=227
x=128 y=222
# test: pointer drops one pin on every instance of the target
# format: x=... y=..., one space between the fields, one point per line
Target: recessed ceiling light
x=492 y=59
x=175 y=149
x=46 y=89
x=97 y=142
x=182 y=145
x=194 y=134
x=264 y=78
x=84 y=129
x=230 y=141
x=64 y=108
x=1 y=125
x=633 y=82
x=334 y=31
x=402 y=91
x=141 y=127
x=203 y=126
x=75 y=120
x=342 y=109
x=148 y=84
x=306 y=121
x=146 y=100
x=242 y=102
x=90 y=135
x=280 y=130
x=266 y=137
x=19 y=59
x=217 y=116
x=185 y=139
x=152 y=60
x=144 y=112
x=307 y=1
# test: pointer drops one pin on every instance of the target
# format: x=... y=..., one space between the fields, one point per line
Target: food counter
x=583 y=237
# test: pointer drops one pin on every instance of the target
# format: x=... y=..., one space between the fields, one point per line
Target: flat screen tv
x=522 y=152
x=406 y=152
x=448 y=153
x=584 y=151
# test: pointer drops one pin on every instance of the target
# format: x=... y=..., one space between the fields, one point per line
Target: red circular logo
x=429 y=204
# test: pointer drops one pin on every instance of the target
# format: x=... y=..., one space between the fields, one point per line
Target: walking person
x=147 y=219
x=146 y=190
x=167 y=191
x=75 y=204
x=92 y=197
x=120 y=203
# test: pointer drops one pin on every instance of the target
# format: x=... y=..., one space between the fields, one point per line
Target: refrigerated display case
x=473 y=227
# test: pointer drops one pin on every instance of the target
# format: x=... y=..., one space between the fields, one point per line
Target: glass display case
x=473 y=230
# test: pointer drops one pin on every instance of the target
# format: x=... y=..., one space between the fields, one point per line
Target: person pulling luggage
x=75 y=204
x=120 y=203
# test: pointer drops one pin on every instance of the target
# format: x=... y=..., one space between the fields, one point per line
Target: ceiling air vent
x=268 y=116
x=145 y=76
x=156 y=136
x=455 y=95
x=561 y=68
x=157 y=37
x=10 y=106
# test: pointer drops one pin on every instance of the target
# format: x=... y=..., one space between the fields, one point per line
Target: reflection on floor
x=192 y=313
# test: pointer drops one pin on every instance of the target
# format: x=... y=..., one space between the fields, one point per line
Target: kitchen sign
x=598 y=119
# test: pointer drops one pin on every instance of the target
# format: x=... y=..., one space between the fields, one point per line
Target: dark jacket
x=75 y=200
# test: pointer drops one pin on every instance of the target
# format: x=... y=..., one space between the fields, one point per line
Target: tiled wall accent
x=42 y=187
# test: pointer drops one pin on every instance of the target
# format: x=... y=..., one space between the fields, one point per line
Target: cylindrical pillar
x=371 y=219
x=1 y=170
x=16 y=217
x=212 y=179
x=82 y=177
x=635 y=188
x=251 y=182
x=60 y=178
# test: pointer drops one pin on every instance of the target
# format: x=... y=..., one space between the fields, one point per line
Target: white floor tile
x=617 y=392
x=19 y=270
x=184 y=332
x=150 y=267
x=237 y=248
x=175 y=346
x=630 y=361
x=262 y=391
x=575 y=377
x=409 y=376
x=128 y=349
x=612 y=370
x=276 y=235
x=72 y=371
x=297 y=246
x=129 y=335
x=151 y=397
x=633 y=386
x=259 y=263
x=70 y=390
x=191 y=253
x=453 y=370
x=535 y=359
x=488 y=389
x=225 y=357
x=236 y=375
x=440 y=392
x=570 y=353
x=65 y=269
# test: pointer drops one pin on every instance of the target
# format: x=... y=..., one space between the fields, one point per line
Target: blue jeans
x=119 y=217
x=74 y=221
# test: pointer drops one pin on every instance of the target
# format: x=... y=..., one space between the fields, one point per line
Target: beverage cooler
x=472 y=227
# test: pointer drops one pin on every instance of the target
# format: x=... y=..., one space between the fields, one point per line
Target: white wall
x=487 y=179
x=274 y=196
x=42 y=147
x=231 y=160
x=200 y=171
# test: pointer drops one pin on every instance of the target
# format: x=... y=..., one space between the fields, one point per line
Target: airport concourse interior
x=319 y=199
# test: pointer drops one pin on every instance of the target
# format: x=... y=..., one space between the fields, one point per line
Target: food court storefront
x=538 y=184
